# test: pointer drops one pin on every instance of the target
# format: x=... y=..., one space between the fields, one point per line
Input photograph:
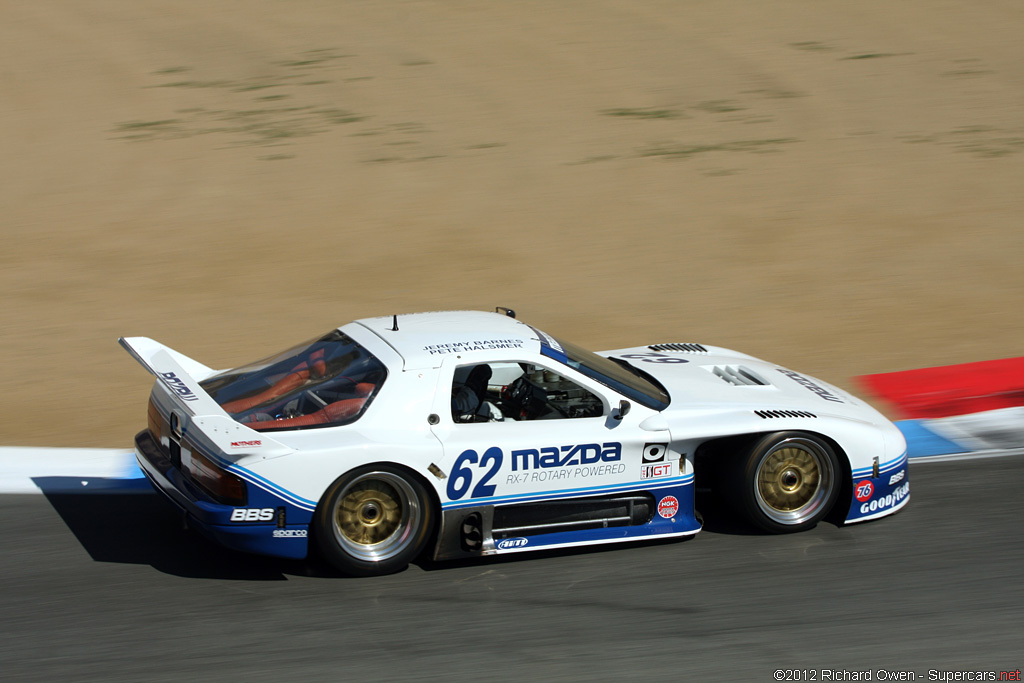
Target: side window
x=497 y=392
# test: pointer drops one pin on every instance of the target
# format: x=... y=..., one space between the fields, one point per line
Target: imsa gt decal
x=663 y=469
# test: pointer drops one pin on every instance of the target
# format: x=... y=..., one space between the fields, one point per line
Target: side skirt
x=635 y=516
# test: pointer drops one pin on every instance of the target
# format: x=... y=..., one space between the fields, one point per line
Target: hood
x=703 y=376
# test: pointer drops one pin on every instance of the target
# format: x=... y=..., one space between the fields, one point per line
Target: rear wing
x=201 y=412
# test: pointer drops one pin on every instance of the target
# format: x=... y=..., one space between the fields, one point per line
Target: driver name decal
x=484 y=345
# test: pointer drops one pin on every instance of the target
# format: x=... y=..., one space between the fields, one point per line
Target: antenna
x=394 y=328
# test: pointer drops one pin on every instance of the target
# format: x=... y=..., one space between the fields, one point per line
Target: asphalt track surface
x=106 y=587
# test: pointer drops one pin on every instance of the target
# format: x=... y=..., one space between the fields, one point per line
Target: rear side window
x=325 y=382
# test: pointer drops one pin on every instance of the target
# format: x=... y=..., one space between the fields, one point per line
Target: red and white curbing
x=957 y=411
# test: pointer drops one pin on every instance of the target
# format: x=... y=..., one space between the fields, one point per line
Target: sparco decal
x=864 y=490
x=668 y=507
x=898 y=494
x=290 y=533
x=252 y=514
x=178 y=387
x=512 y=543
x=810 y=386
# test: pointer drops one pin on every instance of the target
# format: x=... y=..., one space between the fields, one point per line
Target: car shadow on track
x=135 y=526
x=139 y=527
x=717 y=518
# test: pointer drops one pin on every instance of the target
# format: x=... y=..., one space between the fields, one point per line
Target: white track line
x=993 y=453
x=66 y=468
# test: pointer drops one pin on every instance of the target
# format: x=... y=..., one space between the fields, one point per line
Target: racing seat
x=329 y=414
x=470 y=400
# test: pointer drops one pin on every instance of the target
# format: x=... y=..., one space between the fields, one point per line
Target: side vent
x=690 y=348
x=737 y=375
x=769 y=414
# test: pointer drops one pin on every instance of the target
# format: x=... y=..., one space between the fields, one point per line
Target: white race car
x=471 y=433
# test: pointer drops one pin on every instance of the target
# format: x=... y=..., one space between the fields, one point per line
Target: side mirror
x=624 y=407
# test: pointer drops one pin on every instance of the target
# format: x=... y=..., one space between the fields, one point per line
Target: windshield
x=626 y=380
x=325 y=382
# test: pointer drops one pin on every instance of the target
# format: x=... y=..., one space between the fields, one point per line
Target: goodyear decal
x=872 y=496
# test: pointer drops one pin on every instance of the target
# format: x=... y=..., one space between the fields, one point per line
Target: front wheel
x=787 y=482
x=374 y=520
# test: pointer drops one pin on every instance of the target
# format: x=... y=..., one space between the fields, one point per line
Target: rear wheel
x=787 y=482
x=374 y=520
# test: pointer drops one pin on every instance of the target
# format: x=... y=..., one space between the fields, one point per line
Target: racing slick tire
x=374 y=520
x=786 y=483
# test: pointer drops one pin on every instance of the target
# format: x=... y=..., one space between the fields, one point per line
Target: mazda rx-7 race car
x=471 y=433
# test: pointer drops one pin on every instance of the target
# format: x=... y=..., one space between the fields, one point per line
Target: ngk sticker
x=668 y=507
x=252 y=514
x=864 y=490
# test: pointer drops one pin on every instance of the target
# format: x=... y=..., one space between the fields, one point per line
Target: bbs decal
x=252 y=514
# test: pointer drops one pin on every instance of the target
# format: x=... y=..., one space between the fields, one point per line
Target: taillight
x=225 y=487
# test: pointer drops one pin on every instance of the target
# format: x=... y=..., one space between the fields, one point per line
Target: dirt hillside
x=835 y=186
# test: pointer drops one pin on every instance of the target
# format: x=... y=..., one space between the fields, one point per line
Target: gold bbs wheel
x=374 y=516
x=375 y=521
x=790 y=482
